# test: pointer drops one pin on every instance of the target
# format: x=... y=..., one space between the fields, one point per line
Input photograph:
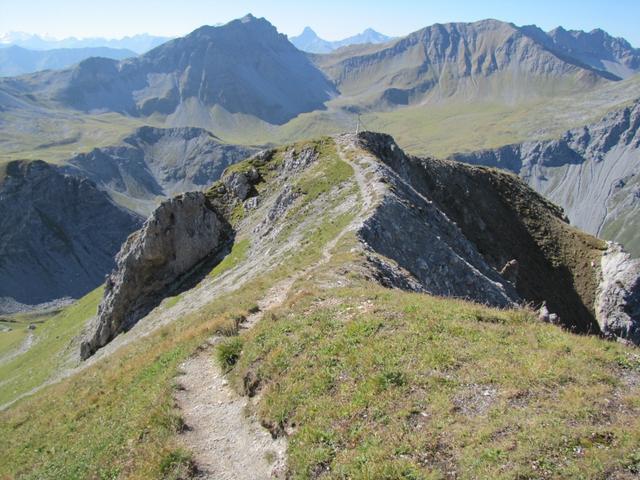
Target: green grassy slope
x=51 y=349
x=379 y=384
x=368 y=382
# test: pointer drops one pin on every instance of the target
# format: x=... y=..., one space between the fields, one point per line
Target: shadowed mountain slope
x=593 y=172
x=154 y=163
x=58 y=233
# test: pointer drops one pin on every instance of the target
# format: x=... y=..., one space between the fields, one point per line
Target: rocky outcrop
x=618 y=301
x=592 y=172
x=412 y=231
x=241 y=183
x=58 y=234
x=181 y=233
x=483 y=235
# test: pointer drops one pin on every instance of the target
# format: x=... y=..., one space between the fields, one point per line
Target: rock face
x=181 y=233
x=456 y=227
x=618 y=302
x=412 y=231
x=592 y=172
x=597 y=49
x=153 y=163
x=58 y=233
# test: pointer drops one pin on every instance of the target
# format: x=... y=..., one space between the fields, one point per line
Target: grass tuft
x=228 y=352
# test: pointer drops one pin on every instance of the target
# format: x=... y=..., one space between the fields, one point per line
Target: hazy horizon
x=331 y=20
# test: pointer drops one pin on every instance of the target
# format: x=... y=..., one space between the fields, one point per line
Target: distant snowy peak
x=137 y=43
x=309 y=41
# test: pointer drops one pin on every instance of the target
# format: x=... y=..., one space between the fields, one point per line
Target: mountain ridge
x=244 y=66
x=139 y=43
x=488 y=58
x=15 y=60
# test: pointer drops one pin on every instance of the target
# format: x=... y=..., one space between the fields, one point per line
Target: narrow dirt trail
x=227 y=445
x=225 y=442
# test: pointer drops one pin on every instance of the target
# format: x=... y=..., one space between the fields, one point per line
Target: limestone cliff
x=181 y=233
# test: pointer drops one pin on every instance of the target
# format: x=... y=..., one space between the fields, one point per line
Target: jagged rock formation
x=492 y=219
x=618 y=300
x=593 y=172
x=154 y=163
x=597 y=49
x=408 y=228
x=179 y=234
x=58 y=233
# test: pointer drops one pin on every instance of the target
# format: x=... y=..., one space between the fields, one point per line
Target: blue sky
x=332 y=19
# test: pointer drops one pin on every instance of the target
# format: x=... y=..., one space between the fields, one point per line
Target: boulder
x=241 y=183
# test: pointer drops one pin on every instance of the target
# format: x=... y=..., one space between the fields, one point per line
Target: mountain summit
x=245 y=66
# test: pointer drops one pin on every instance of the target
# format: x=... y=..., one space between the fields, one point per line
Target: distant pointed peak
x=248 y=18
x=308 y=30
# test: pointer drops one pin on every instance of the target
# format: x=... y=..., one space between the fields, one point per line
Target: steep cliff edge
x=179 y=234
x=618 y=299
x=506 y=221
x=58 y=233
x=592 y=172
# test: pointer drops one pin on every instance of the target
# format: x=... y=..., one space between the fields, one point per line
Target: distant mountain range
x=138 y=43
x=485 y=59
x=244 y=67
x=16 y=60
x=309 y=41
